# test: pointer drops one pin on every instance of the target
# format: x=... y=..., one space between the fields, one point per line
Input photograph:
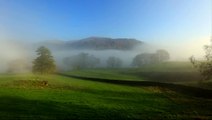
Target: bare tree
x=204 y=66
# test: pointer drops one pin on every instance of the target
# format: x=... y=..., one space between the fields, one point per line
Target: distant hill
x=95 y=43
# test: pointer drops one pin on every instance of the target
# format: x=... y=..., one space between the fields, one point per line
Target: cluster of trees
x=81 y=61
x=114 y=62
x=45 y=63
x=150 y=58
x=85 y=60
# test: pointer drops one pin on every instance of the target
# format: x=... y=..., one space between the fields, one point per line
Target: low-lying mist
x=17 y=56
x=14 y=54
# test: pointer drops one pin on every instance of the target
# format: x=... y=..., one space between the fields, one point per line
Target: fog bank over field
x=21 y=54
x=125 y=56
x=12 y=52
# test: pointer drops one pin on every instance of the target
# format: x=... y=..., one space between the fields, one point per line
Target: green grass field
x=24 y=96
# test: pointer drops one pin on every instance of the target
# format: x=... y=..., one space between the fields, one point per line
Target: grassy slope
x=66 y=98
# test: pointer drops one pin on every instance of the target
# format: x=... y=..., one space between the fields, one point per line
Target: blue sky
x=147 y=20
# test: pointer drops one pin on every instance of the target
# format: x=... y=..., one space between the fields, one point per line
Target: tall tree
x=44 y=63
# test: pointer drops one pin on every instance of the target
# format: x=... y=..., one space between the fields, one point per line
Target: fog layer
x=21 y=54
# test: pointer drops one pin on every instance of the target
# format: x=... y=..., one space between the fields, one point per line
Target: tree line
x=44 y=63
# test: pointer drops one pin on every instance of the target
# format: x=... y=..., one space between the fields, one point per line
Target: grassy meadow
x=60 y=96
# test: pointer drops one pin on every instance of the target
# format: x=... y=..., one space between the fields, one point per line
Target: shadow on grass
x=21 y=108
x=188 y=90
x=17 y=108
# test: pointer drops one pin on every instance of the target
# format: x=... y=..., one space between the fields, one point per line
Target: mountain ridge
x=95 y=43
